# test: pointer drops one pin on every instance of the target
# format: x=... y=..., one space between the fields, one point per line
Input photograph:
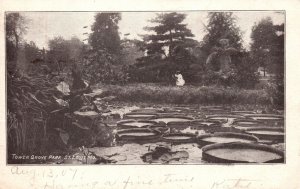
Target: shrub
x=245 y=75
x=275 y=91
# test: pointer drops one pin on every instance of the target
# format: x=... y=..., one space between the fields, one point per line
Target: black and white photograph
x=145 y=87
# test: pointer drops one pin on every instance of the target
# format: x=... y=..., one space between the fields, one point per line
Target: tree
x=104 y=59
x=279 y=51
x=222 y=43
x=15 y=28
x=64 y=52
x=170 y=33
x=267 y=47
x=58 y=49
x=105 y=35
x=245 y=73
x=32 y=52
x=169 y=47
x=221 y=25
x=75 y=49
x=131 y=51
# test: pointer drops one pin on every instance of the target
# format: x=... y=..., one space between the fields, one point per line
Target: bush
x=275 y=91
x=219 y=78
x=103 y=67
x=245 y=75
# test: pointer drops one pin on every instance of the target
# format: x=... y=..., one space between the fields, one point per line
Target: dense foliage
x=64 y=53
x=104 y=60
x=168 y=49
x=30 y=100
x=170 y=33
x=15 y=29
x=222 y=25
x=267 y=46
x=105 y=33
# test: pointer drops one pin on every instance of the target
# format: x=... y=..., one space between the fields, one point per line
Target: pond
x=139 y=134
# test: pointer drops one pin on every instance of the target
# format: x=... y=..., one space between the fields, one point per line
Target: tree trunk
x=17 y=39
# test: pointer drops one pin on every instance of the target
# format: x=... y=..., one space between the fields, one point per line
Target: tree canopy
x=15 y=28
x=169 y=33
x=222 y=25
x=103 y=62
x=62 y=53
x=105 y=35
x=267 y=45
x=65 y=50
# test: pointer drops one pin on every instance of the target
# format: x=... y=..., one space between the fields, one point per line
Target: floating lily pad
x=206 y=122
x=172 y=119
x=247 y=121
x=274 y=134
x=135 y=124
x=224 y=116
x=265 y=117
x=147 y=110
x=137 y=135
x=225 y=137
x=179 y=138
x=243 y=113
x=241 y=153
x=139 y=116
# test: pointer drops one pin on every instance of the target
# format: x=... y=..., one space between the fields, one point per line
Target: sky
x=43 y=26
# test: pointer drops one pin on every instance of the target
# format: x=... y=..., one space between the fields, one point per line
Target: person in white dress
x=179 y=79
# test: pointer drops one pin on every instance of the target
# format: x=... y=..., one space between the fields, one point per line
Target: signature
x=233 y=184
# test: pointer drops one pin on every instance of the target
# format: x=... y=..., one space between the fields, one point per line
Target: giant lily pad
x=225 y=137
x=238 y=152
x=137 y=135
x=173 y=119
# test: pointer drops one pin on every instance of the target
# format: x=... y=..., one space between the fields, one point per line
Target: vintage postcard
x=149 y=97
x=188 y=87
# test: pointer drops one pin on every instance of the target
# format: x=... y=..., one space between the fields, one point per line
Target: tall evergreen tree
x=170 y=33
x=222 y=25
x=104 y=59
x=105 y=35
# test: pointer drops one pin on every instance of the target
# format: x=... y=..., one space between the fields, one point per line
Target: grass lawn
x=188 y=94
